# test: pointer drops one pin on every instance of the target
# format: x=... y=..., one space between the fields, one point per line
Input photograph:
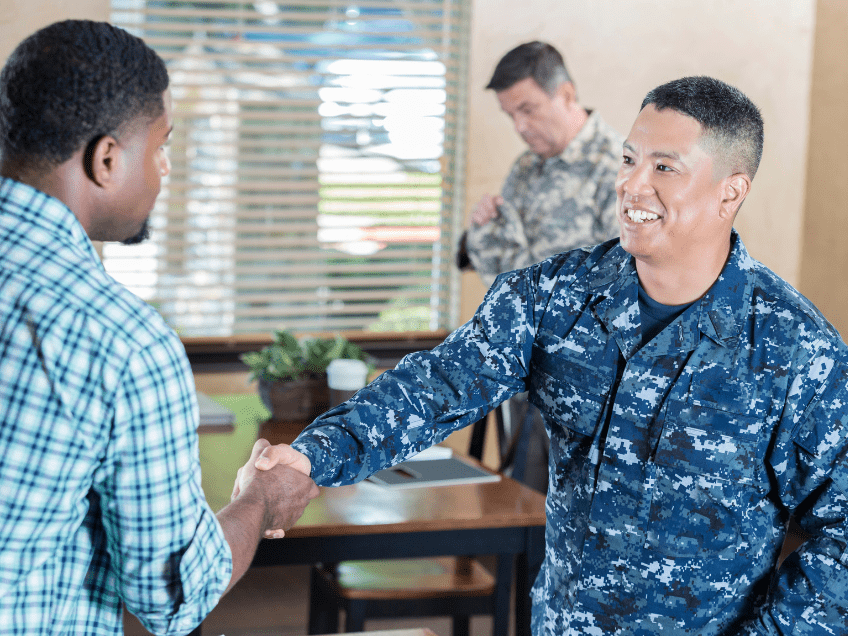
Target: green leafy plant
x=289 y=359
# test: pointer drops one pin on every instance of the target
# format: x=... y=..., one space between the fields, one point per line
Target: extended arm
x=427 y=396
x=264 y=504
x=171 y=557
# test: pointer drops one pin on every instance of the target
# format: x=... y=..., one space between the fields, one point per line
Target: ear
x=103 y=161
x=734 y=190
x=568 y=93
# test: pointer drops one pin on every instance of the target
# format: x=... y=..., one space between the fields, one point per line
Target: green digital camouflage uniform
x=552 y=205
x=676 y=463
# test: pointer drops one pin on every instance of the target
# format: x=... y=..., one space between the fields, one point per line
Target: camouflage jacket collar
x=719 y=314
x=578 y=148
x=576 y=151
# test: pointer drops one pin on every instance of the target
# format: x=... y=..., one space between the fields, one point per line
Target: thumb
x=285 y=455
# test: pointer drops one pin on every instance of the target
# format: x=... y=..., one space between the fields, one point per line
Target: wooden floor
x=274 y=602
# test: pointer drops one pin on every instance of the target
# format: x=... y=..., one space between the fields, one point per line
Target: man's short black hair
x=731 y=121
x=535 y=59
x=72 y=82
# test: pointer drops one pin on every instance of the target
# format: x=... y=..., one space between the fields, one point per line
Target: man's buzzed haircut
x=730 y=120
x=69 y=84
x=535 y=59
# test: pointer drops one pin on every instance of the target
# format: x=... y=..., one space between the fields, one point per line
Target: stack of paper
x=212 y=413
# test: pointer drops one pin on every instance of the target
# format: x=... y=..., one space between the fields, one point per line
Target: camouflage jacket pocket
x=703 y=483
x=565 y=385
x=574 y=402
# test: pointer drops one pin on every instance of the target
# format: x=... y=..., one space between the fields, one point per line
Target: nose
x=636 y=180
x=520 y=122
x=165 y=166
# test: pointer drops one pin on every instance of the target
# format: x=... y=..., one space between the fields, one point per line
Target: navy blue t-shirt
x=655 y=316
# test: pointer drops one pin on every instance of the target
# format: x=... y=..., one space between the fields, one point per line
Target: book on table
x=212 y=413
x=432 y=468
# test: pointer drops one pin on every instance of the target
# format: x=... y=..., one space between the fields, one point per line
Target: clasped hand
x=486 y=209
x=286 y=487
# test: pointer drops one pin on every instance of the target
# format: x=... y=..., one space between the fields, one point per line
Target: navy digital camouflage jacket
x=673 y=466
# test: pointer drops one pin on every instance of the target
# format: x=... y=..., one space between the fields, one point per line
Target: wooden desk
x=396 y=632
x=365 y=521
x=280 y=432
x=368 y=522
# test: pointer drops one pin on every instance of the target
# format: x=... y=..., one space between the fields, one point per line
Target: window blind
x=315 y=183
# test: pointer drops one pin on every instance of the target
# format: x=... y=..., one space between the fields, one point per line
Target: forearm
x=429 y=394
x=499 y=246
x=265 y=503
x=166 y=547
x=390 y=420
x=810 y=592
x=243 y=524
x=811 y=588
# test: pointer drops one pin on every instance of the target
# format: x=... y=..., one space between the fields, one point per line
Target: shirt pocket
x=564 y=387
x=704 y=483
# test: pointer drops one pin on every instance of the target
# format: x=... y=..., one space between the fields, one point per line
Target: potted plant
x=293 y=374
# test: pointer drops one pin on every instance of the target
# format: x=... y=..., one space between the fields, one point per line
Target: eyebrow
x=657 y=154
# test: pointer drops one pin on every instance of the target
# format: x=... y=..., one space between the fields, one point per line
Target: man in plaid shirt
x=101 y=503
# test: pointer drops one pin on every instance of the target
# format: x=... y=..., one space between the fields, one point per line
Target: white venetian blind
x=315 y=184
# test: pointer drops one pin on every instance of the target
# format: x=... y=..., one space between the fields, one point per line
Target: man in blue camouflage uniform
x=694 y=401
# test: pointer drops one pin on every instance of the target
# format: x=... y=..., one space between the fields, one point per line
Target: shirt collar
x=724 y=307
x=577 y=148
x=49 y=214
x=719 y=314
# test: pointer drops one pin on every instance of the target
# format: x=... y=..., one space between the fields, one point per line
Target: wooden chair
x=459 y=587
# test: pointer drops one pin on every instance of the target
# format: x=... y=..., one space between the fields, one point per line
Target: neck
x=576 y=120
x=61 y=182
x=679 y=284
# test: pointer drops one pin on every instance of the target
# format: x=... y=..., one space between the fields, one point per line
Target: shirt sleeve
x=430 y=393
x=166 y=547
x=809 y=593
x=501 y=245
x=606 y=225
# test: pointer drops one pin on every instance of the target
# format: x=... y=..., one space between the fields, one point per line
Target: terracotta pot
x=295 y=400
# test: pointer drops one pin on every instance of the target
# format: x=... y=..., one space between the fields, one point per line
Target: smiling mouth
x=640 y=216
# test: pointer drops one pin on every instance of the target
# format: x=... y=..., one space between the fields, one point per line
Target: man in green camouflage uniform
x=559 y=195
x=695 y=402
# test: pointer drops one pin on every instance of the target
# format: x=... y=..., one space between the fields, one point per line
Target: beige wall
x=19 y=18
x=824 y=268
x=617 y=50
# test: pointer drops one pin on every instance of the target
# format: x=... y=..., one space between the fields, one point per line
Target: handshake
x=279 y=477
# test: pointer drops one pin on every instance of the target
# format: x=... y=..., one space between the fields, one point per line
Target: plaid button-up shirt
x=100 y=497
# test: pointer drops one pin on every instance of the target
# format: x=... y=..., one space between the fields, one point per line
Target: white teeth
x=640 y=216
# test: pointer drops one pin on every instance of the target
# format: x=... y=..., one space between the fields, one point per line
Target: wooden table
x=396 y=632
x=366 y=521
x=369 y=522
